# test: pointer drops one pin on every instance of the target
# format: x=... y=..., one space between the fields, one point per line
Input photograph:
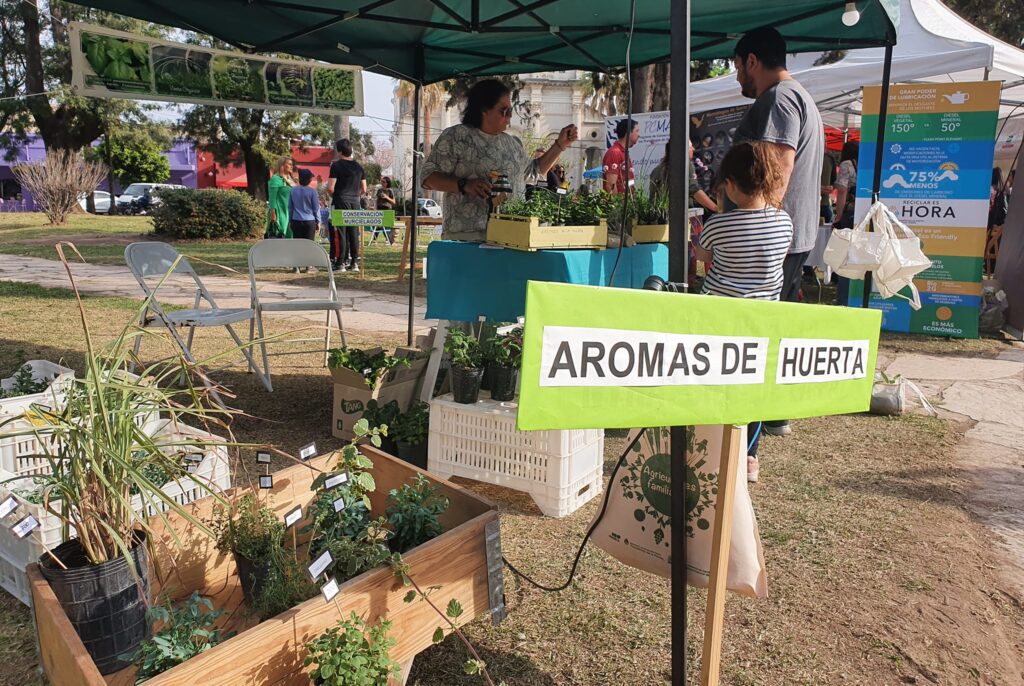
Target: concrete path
x=985 y=397
x=364 y=310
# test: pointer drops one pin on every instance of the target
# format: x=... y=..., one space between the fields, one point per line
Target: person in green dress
x=278 y=191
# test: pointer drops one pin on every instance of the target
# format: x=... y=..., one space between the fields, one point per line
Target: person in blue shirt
x=304 y=208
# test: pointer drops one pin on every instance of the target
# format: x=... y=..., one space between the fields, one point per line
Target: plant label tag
x=191 y=468
x=262 y=457
x=632 y=183
x=194 y=457
x=320 y=565
x=8 y=506
x=561 y=191
x=336 y=480
x=25 y=526
x=339 y=504
x=368 y=371
x=330 y=589
x=307 y=452
x=266 y=481
x=292 y=518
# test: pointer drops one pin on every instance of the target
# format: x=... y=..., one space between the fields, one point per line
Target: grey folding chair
x=150 y=262
x=290 y=254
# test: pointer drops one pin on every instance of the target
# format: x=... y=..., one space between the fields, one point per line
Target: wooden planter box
x=272 y=652
x=650 y=233
x=526 y=233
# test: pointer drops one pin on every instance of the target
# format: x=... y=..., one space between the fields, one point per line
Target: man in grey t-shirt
x=785 y=115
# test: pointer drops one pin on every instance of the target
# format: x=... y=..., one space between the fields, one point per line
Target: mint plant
x=412 y=513
x=352 y=654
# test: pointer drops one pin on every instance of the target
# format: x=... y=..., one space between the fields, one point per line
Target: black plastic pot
x=503 y=383
x=485 y=382
x=414 y=454
x=253 y=576
x=466 y=384
x=106 y=603
x=389 y=445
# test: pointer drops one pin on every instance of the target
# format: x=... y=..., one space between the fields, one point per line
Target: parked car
x=136 y=191
x=429 y=208
x=101 y=198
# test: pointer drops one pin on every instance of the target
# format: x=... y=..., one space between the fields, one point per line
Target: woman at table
x=279 y=190
x=467 y=156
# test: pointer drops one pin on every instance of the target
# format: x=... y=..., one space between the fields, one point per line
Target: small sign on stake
x=262 y=457
x=191 y=468
x=320 y=565
x=339 y=504
x=307 y=452
x=25 y=526
x=330 y=589
x=336 y=480
x=8 y=506
x=194 y=457
x=293 y=517
x=266 y=481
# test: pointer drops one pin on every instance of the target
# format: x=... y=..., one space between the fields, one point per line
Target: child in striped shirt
x=748 y=244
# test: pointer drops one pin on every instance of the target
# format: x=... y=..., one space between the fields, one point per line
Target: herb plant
x=360 y=553
x=463 y=349
x=25 y=384
x=374 y=367
x=508 y=348
x=286 y=586
x=382 y=416
x=352 y=654
x=412 y=513
x=247 y=529
x=413 y=425
x=187 y=631
x=334 y=88
x=558 y=210
x=116 y=58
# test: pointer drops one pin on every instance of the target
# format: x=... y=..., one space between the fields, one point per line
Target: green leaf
x=410 y=596
x=454 y=609
x=438 y=635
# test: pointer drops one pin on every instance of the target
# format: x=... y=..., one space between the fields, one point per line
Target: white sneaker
x=753 y=468
x=353 y=267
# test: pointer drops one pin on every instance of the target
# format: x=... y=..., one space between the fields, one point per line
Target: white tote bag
x=854 y=252
x=636 y=527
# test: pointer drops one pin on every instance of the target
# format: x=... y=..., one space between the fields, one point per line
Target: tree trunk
x=256 y=173
x=660 y=87
x=341 y=127
x=427 y=116
x=641 y=78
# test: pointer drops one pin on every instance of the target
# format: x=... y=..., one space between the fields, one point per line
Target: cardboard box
x=351 y=394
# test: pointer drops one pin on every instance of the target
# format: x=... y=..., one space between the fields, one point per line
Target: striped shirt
x=749 y=247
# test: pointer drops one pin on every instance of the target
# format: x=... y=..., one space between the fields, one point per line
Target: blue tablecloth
x=467 y=280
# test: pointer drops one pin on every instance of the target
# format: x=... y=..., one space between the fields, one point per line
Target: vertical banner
x=936 y=172
x=650 y=146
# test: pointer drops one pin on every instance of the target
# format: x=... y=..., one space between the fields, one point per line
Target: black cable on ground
x=590 y=531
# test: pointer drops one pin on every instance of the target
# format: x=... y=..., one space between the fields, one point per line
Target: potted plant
x=102 y=456
x=255 y=536
x=464 y=352
x=508 y=358
x=352 y=654
x=412 y=513
x=411 y=433
x=385 y=417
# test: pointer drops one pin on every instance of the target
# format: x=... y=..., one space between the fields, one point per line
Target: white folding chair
x=291 y=254
x=151 y=261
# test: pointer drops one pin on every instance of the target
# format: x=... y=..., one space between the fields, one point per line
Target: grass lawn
x=102 y=240
x=877 y=574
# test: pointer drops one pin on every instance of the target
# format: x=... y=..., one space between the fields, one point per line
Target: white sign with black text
x=330 y=589
x=307 y=452
x=320 y=565
x=814 y=360
x=8 y=506
x=25 y=526
x=293 y=517
x=336 y=480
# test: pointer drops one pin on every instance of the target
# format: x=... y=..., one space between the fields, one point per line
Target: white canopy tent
x=935 y=44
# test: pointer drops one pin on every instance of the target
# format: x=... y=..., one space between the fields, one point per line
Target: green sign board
x=619 y=358
x=385 y=218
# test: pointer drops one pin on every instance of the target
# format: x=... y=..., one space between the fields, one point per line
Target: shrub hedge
x=208 y=213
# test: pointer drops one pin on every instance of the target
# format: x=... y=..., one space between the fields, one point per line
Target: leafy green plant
x=286 y=586
x=649 y=208
x=463 y=349
x=413 y=424
x=508 y=348
x=187 y=213
x=360 y=553
x=116 y=58
x=236 y=78
x=412 y=513
x=374 y=366
x=334 y=88
x=382 y=416
x=246 y=528
x=558 y=210
x=25 y=384
x=352 y=654
x=187 y=631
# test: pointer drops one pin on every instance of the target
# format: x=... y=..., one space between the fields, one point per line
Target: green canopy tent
x=425 y=41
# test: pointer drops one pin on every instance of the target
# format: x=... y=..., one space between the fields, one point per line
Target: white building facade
x=548 y=102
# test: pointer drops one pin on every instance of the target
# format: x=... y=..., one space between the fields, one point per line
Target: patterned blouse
x=469 y=153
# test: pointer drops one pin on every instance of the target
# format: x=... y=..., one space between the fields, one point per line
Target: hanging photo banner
x=936 y=173
x=596 y=358
x=113 y=64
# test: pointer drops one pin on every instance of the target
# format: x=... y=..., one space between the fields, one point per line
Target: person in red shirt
x=614 y=164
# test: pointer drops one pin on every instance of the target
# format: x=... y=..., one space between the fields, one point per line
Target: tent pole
x=417 y=100
x=678 y=271
x=883 y=111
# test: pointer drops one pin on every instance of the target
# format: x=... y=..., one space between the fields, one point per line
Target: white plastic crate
x=214 y=471
x=14 y=580
x=60 y=379
x=561 y=470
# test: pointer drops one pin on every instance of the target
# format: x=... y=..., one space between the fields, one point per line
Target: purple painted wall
x=182 y=157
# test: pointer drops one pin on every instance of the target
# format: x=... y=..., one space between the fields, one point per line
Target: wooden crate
x=526 y=233
x=271 y=652
x=651 y=233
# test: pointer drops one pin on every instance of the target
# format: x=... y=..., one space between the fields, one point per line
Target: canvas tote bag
x=636 y=527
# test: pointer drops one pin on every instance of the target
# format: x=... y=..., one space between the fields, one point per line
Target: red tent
x=834 y=138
